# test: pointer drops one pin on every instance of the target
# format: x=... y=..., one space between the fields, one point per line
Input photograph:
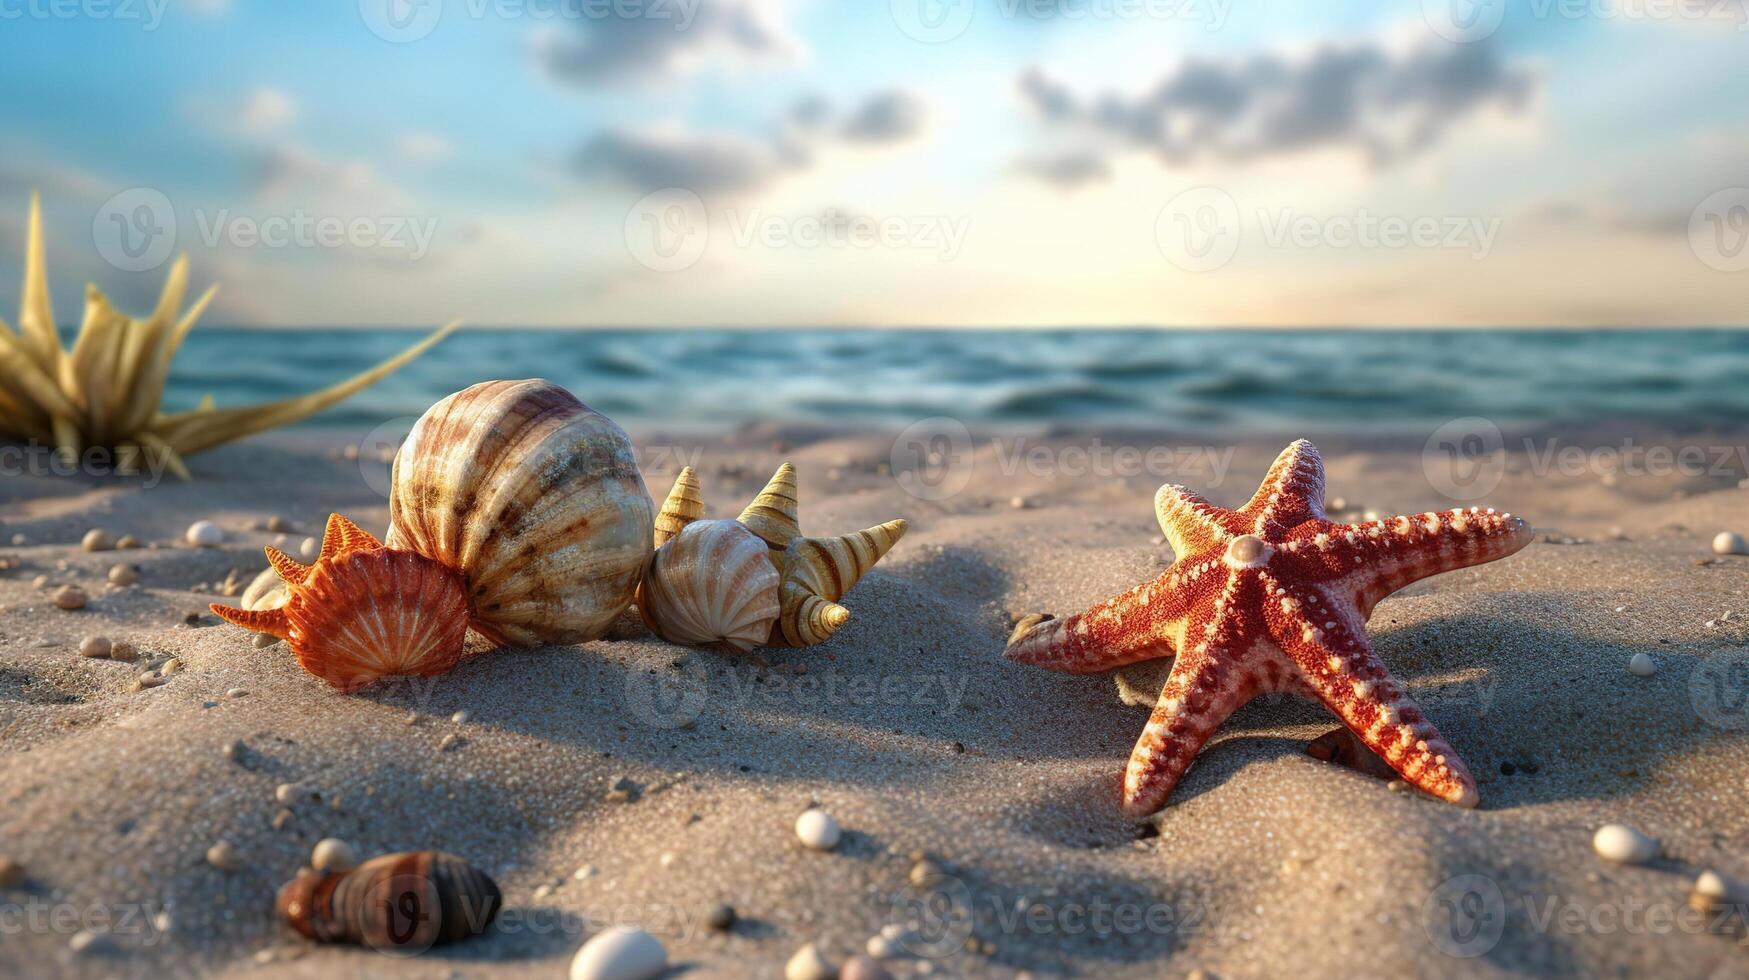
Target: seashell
x=397 y=902
x=712 y=585
x=363 y=611
x=535 y=499
x=620 y=953
x=266 y=591
x=682 y=507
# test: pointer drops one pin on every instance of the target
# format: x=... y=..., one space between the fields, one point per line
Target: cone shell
x=376 y=613
x=683 y=506
x=817 y=572
x=772 y=514
x=535 y=499
x=397 y=902
x=712 y=585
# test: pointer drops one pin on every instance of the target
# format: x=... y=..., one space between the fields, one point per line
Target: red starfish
x=1273 y=597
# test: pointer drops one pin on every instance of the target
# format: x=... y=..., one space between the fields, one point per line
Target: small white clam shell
x=620 y=953
x=1623 y=844
x=712 y=585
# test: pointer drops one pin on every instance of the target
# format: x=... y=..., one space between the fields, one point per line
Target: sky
x=887 y=162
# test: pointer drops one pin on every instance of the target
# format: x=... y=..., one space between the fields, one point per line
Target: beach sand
x=908 y=727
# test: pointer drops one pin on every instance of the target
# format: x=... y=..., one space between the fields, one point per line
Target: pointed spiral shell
x=712 y=585
x=816 y=574
x=535 y=499
x=397 y=903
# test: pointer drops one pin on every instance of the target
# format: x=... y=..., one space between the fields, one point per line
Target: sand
x=908 y=726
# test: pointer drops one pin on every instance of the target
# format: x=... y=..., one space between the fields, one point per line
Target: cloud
x=422 y=148
x=1387 y=101
x=734 y=163
x=265 y=110
x=654 y=41
x=1068 y=170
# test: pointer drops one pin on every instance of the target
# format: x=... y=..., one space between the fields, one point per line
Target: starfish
x=1273 y=597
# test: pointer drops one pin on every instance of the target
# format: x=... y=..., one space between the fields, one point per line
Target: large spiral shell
x=536 y=499
x=712 y=585
x=399 y=902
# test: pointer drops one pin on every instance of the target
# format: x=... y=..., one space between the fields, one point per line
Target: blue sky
x=762 y=162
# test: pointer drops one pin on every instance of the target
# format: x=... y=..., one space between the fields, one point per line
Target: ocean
x=1228 y=379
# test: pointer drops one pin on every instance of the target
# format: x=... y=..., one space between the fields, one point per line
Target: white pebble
x=586 y=871
x=223 y=856
x=19 y=541
x=1623 y=844
x=808 y=963
x=83 y=940
x=1642 y=665
x=1717 y=888
x=236 y=692
x=97 y=539
x=818 y=829
x=333 y=854
x=1730 y=543
x=620 y=953
x=310 y=548
x=205 y=534
x=289 y=793
x=460 y=717
x=884 y=947
x=123 y=576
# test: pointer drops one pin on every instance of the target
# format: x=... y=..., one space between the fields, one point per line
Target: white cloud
x=266 y=110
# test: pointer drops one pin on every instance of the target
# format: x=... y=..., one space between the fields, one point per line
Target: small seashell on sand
x=620 y=953
x=170 y=666
x=204 y=534
x=123 y=576
x=863 y=968
x=333 y=854
x=808 y=963
x=397 y=902
x=224 y=856
x=97 y=539
x=1642 y=665
x=70 y=597
x=236 y=692
x=123 y=651
x=1730 y=543
x=711 y=585
x=817 y=829
x=1623 y=844
x=94 y=647
x=127 y=542
x=11 y=873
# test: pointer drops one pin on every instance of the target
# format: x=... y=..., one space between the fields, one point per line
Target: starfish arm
x=1323 y=637
x=1193 y=704
x=1141 y=624
x=1291 y=494
x=1371 y=560
x=1190 y=523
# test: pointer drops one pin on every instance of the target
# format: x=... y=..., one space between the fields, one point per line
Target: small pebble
x=1018 y=503
x=808 y=963
x=127 y=541
x=170 y=666
x=280 y=525
x=19 y=541
x=310 y=548
x=84 y=941
x=236 y=692
x=863 y=968
x=450 y=741
x=1641 y=665
x=333 y=854
x=11 y=873
x=94 y=647
x=40 y=582
x=97 y=539
x=586 y=871
x=223 y=856
x=204 y=534
x=818 y=829
x=70 y=597
x=234 y=750
x=123 y=575
x=123 y=651
x=264 y=640
x=289 y=793
x=1713 y=889
x=460 y=717
x=624 y=790
x=721 y=917
x=883 y=947
x=1623 y=844
x=620 y=953
x=145 y=682
x=1730 y=543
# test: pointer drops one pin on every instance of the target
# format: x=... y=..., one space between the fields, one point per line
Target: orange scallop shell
x=371 y=614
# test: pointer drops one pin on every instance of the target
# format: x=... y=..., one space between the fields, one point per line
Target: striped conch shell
x=814 y=573
x=363 y=612
x=535 y=499
x=398 y=903
x=682 y=507
x=711 y=586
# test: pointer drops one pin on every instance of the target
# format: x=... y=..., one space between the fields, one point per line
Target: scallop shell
x=363 y=612
x=712 y=585
x=535 y=499
x=398 y=902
